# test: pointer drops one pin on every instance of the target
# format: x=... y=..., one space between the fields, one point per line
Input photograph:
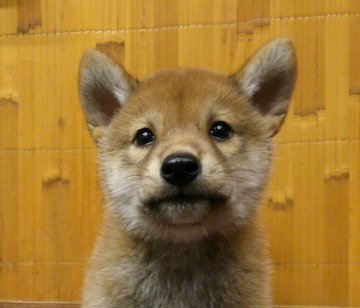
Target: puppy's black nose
x=180 y=169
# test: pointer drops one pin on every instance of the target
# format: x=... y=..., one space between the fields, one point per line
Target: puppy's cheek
x=138 y=155
x=216 y=172
x=117 y=186
x=210 y=165
x=152 y=168
x=230 y=147
x=119 y=175
x=215 y=157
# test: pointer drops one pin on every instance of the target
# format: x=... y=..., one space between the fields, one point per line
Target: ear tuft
x=267 y=80
x=104 y=87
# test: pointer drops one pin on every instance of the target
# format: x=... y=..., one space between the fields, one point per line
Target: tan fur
x=156 y=254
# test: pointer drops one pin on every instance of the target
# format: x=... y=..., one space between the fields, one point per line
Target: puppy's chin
x=184 y=232
x=191 y=230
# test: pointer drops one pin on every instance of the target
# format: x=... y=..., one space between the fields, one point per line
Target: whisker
x=137 y=176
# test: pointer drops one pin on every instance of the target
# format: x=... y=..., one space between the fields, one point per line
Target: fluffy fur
x=207 y=251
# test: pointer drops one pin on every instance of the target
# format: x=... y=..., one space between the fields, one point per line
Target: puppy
x=183 y=156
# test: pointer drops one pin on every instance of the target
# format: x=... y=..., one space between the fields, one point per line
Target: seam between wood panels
x=155 y=29
x=31 y=263
x=38 y=304
x=75 y=304
x=142 y=40
x=317 y=141
x=47 y=150
x=317 y=264
x=297 y=306
x=191 y=26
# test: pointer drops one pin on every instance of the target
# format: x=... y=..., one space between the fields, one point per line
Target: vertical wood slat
x=354 y=61
x=49 y=194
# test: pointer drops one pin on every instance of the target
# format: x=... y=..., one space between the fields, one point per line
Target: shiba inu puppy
x=184 y=156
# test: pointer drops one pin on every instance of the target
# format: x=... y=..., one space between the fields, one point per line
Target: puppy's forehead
x=182 y=92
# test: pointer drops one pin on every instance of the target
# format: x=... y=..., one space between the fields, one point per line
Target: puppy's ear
x=104 y=87
x=267 y=80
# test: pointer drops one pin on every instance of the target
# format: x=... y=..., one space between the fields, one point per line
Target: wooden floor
x=71 y=305
x=50 y=200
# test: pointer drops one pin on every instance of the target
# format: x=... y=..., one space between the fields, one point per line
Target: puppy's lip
x=214 y=199
x=182 y=198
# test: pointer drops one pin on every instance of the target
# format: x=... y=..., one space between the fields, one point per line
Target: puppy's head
x=185 y=153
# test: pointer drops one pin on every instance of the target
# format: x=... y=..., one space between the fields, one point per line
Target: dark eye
x=144 y=137
x=220 y=131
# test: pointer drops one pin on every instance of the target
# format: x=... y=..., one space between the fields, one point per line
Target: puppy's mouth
x=182 y=199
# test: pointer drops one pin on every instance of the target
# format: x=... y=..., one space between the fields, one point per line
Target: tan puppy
x=184 y=156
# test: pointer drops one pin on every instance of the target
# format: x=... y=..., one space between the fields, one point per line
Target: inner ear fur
x=104 y=87
x=267 y=80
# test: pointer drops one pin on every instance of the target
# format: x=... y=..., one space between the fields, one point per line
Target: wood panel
x=50 y=200
x=37 y=305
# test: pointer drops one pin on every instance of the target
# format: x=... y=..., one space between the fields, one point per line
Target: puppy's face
x=185 y=153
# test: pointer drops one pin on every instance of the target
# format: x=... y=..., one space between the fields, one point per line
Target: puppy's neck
x=185 y=274
x=186 y=255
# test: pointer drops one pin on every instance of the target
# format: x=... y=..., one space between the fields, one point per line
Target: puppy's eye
x=144 y=137
x=220 y=131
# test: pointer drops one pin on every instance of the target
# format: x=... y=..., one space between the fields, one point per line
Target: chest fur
x=212 y=273
x=180 y=277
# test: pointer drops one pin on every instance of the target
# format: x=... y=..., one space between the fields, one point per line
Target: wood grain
x=50 y=199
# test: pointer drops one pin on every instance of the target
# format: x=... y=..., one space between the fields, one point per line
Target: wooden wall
x=50 y=202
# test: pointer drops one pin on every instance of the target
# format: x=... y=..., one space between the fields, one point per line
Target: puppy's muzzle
x=180 y=169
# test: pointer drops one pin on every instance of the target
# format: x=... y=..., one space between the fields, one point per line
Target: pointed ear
x=104 y=87
x=267 y=80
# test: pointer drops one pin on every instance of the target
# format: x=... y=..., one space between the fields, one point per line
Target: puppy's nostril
x=191 y=167
x=180 y=169
x=167 y=169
